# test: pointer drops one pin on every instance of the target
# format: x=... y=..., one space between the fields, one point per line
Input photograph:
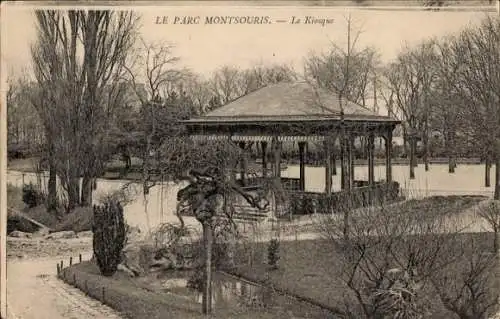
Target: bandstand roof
x=281 y=104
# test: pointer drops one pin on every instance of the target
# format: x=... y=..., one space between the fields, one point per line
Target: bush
x=273 y=253
x=31 y=196
x=80 y=219
x=109 y=236
x=14 y=197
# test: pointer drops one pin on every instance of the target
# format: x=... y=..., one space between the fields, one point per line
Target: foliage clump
x=273 y=253
x=109 y=236
x=32 y=196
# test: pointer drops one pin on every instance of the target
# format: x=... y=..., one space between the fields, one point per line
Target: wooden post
x=388 y=156
x=80 y=258
x=351 y=160
x=243 y=168
x=62 y=264
x=103 y=295
x=277 y=158
x=207 y=282
x=328 y=166
x=343 y=166
x=371 y=159
x=302 y=166
x=70 y=261
x=263 y=145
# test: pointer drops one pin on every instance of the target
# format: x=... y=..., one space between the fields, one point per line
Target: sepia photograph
x=250 y=159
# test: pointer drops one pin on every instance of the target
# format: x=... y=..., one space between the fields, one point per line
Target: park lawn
x=311 y=268
x=443 y=205
x=136 y=301
x=307 y=268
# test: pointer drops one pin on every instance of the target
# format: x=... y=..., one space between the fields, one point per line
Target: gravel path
x=34 y=292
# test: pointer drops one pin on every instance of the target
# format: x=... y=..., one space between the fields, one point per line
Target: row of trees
x=101 y=90
x=447 y=88
x=451 y=86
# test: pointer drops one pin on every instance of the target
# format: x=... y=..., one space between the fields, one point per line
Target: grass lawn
x=308 y=269
x=134 y=300
x=312 y=268
x=80 y=219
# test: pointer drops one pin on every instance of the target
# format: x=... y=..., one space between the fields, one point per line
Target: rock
x=137 y=257
x=134 y=234
x=62 y=235
x=20 y=234
x=128 y=271
x=85 y=234
x=42 y=231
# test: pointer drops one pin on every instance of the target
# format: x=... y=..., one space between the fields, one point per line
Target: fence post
x=62 y=265
x=80 y=258
x=103 y=295
x=70 y=261
x=58 y=270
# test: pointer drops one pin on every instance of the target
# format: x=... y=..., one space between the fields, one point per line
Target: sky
x=204 y=48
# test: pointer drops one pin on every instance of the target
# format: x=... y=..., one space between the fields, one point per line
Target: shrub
x=273 y=253
x=196 y=279
x=109 y=236
x=31 y=196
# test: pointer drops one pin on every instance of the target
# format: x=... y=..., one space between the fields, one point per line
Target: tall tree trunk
x=128 y=162
x=405 y=143
x=426 y=148
x=207 y=282
x=413 y=146
x=487 y=172
x=73 y=193
x=334 y=162
x=52 y=183
x=497 y=179
x=87 y=186
x=452 y=164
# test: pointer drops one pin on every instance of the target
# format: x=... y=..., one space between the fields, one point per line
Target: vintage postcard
x=250 y=159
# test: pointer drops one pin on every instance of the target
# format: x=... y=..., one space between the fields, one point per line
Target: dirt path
x=34 y=292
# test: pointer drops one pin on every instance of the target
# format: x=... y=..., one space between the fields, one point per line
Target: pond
x=159 y=206
x=241 y=296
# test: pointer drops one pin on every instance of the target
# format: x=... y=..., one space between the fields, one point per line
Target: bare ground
x=33 y=290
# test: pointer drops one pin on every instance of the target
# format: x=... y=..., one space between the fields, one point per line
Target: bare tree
x=226 y=84
x=77 y=60
x=473 y=60
x=348 y=72
x=396 y=255
x=259 y=76
x=410 y=80
x=467 y=287
x=210 y=167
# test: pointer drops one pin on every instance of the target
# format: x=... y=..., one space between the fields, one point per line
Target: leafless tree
x=77 y=60
x=467 y=287
x=472 y=73
x=210 y=168
x=393 y=257
x=226 y=84
x=261 y=75
x=410 y=80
